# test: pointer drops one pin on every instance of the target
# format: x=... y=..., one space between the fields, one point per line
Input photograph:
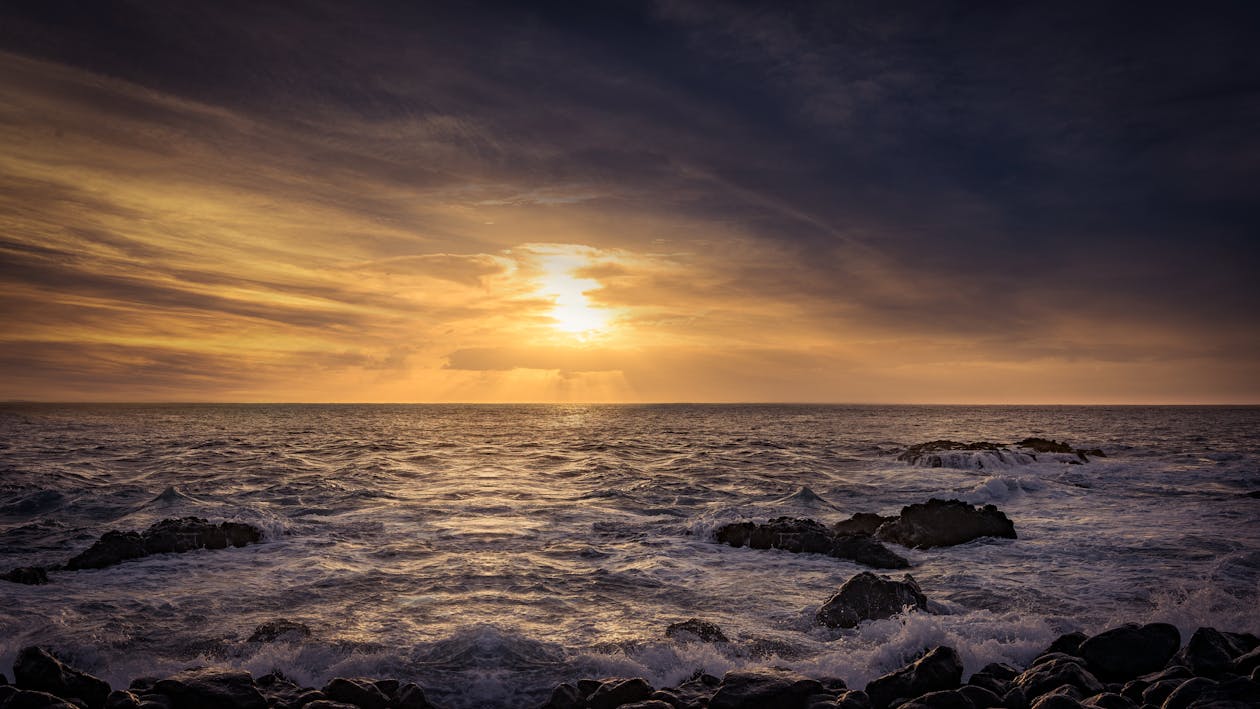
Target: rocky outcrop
x=870 y=597
x=29 y=575
x=939 y=523
x=37 y=670
x=985 y=454
x=696 y=629
x=861 y=523
x=167 y=536
x=938 y=670
x=807 y=536
x=1129 y=651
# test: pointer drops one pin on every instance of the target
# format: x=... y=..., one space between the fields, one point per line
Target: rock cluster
x=945 y=453
x=172 y=535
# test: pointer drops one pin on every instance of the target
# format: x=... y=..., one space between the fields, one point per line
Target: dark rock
x=1052 y=656
x=764 y=689
x=1015 y=698
x=807 y=536
x=35 y=669
x=928 y=453
x=1109 y=700
x=1157 y=692
x=980 y=697
x=696 y=629
x=358 y=691
x=1169 y=672
x=860 y=523
x=694 y=692
x=995 y=677
x=328 y=704
x=281 y=629
x=210 y=688
x=1045 y=445
x=1055 y=701
x=388 y=686
x=565 y=696
x=411 y=696
x=1244 y=664
x=648 y=704
x=1068 y=644
x=1210 y=653
x=167 y=536
x=869 y=597
x=122 y=699
x=618 y=691
x=1130 y=651
x=7 y=690
x=306 y=697
x=1187 y=693
x=1254 y=494
x=31 y=699
x=29 y=575
x=939 y=523
x=940 y=669
x=853 y=699
x=1046 y=676
x=948 y=699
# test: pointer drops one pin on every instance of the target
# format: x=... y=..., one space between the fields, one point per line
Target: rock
x=870 y=597
x=938 y=523
x=388 y=686
x=1068 y=644
x=764 y=689
x=1210 y=653
x=694 y=692
x=1203 y=692
x=411 y=696
x=1046 y=676
x=618 y=691
x=1129 y=651
x=853 y=699
x=1109 y=700
x=358 y=691
x=949 y=699
x=1254 y=494
x=35 y=669
x=167 y=536
x=1015 y=698
x=995 y=677
x=31 y=699
x=929 y=454
x=29 y=575
x=980 y=697
x=1187 y=693
x=940 y=669
x=565 y=696
x=210 y=688
x=807 y=536
x=1045 y=445
x=1244 y=664
x=281 y=629
x=1055 y=701
x=1052 y=656
x=122 y=699
x=696 y=629
x=860 y=523
x=1157 y=692
x=648 y=704
x=328 y=704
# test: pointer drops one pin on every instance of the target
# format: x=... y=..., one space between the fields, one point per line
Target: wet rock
x=122 y=699
x=1109 y=700
x=928 y=454
x=1203 y=692
x=1055 y=701
x=281 y=629
x=940 y=669
x=1068 y=644
x=31 y=699
x=694 y=692
x=1187 y=693
x=358 y=691
x=565 y=696
x=1131 y=650
x=870 y=597
x=949 y=699
x=1052 y=656
x=1211 y=653
x=995 y=677
x=696 y=629
x=616 y=692
x=210 y=688
x=328 y=704
x=1045 y=445
x=938 y=523
x=1245 y=663
x=807 y=536
x=764 y=689
x=29 y=575
x=1015 y=698
x=1046 y=676
x=860 y=523
x=648 y=704
x=35 y=669
x=167 y=536
x=980 y=697
x=853 y=699
x=411 y=696
x=1157 y=692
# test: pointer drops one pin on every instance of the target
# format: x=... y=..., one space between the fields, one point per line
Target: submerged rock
x=870 y=597
x=169 y=535
x=982 y=454
x=939 y=523
x=807 y=536
x=1129 y=651
x=281 y=629
x=939 y=670
x=35 y=669
x=29 y=575
x=696 y=629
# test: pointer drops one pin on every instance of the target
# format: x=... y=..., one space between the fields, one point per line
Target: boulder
x=1109 y=700
x=410 y=696
x=647 y=704
x=618 y=691
x=281 y=629
x=1068 y=644
x=853 y=699
x=210 y=688
x=358 y=691
x=995 y=677
x=31 y=699
x=1211 y=653
x=327 y=704
x=1055 y=701
x=929 y=454
x=122 y=699
x=167 y=536
x=1129 y=651
x=940 y=669
x=948 y=699
x=1157 y=692
x=29 y=575
x=860 y=523
x=1051 y=674
x=870 y=597
x=938 y=523
x=696 y=629
x=980 y=697
x=37 y=670
x=1244 y=664
x=764 y=689
x=694 y=692
x=565 y=696
x=808 y=536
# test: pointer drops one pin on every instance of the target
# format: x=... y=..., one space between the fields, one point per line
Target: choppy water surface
x=489 y=552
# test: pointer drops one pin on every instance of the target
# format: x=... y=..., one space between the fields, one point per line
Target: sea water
x=491 y=552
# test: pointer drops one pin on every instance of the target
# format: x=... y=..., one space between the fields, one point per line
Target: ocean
x=491 y=552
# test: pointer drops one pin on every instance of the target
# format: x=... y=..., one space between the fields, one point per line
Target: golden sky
x=484 y=240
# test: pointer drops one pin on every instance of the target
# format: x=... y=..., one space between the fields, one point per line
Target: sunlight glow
x=573 y=312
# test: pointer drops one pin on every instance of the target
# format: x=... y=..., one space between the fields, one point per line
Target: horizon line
x=604 y=403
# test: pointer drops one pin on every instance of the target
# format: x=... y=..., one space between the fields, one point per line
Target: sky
x=678 y=201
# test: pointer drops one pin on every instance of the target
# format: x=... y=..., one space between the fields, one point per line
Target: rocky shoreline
x=1127 y=667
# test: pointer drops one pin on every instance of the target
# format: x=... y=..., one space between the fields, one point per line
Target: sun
x=572 y=312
